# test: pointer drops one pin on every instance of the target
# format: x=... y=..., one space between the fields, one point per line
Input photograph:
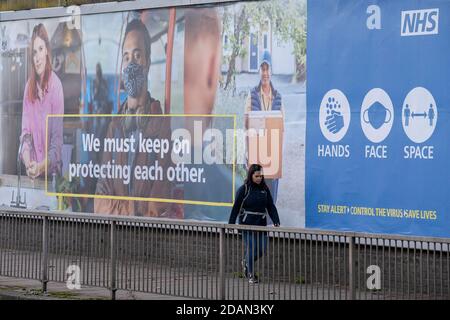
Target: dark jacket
x=155 y=127
x=256 y=98
x=255 y=199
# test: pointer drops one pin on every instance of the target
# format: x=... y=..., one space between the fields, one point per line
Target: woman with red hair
x=43 y=96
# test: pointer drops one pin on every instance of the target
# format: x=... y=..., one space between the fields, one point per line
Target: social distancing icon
x=419 y=115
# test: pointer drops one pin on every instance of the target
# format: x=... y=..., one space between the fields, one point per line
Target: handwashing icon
x=334 y=120
x=334 y=115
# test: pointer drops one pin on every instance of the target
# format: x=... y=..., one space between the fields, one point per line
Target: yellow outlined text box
x=96 y=196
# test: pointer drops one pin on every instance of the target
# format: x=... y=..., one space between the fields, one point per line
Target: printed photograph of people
x=263 y=81
x=102 y=94
x=238 y=66
x=43 y=95
x=41 y=60
x=260 y=79
x=136 y=59
x=202 y=57
x=264 y=97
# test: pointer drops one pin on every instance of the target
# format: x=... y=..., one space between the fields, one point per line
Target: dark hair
x=251 y=170
x=138 y=25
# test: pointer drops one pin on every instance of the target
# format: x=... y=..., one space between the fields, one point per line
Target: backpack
x=243 y=212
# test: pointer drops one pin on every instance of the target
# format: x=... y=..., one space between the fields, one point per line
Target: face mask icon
x=377 y=115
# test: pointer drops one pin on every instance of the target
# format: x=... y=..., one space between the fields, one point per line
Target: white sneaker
x=252 y=279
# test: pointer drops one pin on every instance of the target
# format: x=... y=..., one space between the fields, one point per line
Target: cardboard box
x=265 y=141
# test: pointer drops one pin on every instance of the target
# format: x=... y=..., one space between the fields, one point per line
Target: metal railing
x=206 y=260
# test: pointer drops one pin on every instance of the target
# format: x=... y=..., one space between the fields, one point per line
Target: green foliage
x=287 y=19
x=63 y=294
x=300 y=280
x=237 y=28
x=63 y=185
x=6 y=5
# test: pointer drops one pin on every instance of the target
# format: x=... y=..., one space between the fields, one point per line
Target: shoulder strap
x=246 y=194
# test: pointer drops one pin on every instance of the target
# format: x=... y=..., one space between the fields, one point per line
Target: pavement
x=26 y=289
x=237 y=289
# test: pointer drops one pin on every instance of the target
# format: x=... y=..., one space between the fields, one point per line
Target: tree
x=288 y=21
x=236 y=27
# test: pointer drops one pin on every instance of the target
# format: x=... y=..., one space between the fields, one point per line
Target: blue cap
x=266 y=58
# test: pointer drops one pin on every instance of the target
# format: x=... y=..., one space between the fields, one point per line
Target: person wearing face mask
x=43 y=96
x=136 y=49
x=253 y=205
x=264 y=97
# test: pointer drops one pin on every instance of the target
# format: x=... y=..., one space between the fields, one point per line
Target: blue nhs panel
x=378 y=130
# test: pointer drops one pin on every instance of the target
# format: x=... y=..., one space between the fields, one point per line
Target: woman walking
x=253 y=203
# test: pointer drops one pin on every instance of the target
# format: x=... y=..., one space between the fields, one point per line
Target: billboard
x=159 y=112
x=378 y=112
x=154 y=112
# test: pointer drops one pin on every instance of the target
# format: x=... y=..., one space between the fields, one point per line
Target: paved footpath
x=25 y=289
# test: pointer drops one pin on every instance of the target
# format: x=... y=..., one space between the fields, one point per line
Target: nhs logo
x=420 y=22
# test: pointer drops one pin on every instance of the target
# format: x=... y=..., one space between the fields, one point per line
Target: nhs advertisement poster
x=159 y=112
x=378 y=127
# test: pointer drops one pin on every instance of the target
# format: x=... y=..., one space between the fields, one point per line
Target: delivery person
x=264 y=97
